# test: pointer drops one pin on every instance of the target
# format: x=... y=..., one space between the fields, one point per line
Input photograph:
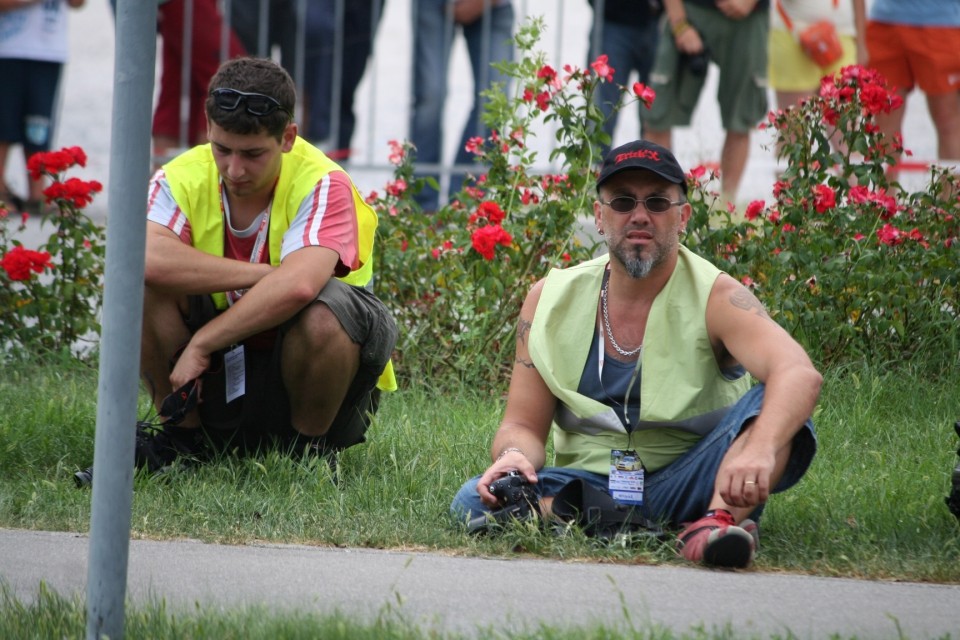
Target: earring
x=599 y=230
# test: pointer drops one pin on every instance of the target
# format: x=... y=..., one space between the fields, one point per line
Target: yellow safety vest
x=194 y=181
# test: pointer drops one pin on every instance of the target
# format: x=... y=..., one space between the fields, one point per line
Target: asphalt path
x=474 y=596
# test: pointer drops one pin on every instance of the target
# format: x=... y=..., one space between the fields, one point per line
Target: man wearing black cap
x=639 y=360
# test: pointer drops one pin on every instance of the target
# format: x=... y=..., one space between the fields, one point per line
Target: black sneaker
x=157 y=447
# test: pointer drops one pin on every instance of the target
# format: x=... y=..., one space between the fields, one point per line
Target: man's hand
x=512 y=461
x=469 y=11
x=736 y=9
x=744 y=478
x=191 y=364
x=689 y=41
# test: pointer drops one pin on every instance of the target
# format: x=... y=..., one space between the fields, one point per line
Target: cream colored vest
x=682 y=387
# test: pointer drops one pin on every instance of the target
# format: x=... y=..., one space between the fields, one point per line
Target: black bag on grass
x=953 y=500
x=599 y=515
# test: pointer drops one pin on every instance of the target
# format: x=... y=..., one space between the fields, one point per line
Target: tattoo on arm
x=523 y=330
x=745 y=300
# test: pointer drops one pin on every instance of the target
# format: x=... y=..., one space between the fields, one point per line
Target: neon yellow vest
x=194 y=181
x=680 y=379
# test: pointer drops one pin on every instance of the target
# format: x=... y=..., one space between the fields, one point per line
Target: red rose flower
x=754 y=209
x=486 y=238
x=601 y=68
x=824 y=198
x=645 y=93
x=19 y=262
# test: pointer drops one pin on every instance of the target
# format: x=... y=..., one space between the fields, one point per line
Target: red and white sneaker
x=716 y=541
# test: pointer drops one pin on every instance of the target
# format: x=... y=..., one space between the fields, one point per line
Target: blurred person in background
x=630 y=31
x=33 y=50
x=360 y=20
x=918 y=44
x=205 y=57
x=487 y=27
x=794 y=74
x=733 y=34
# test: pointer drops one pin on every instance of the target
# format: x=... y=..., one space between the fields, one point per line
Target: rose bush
x=51 y=297
x=456 y=278
x=846 y=260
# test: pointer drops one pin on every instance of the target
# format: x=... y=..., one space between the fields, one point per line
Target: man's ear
x=289 y=137
x=686 y=210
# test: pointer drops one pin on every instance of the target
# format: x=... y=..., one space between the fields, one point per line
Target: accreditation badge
x=236 y=373
x=626 y=476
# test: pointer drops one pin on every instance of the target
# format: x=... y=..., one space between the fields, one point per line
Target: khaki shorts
x=909 y=55
x=790 y=69
x=738 y=47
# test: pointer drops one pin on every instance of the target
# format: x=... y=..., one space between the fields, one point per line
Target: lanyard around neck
x=259 y=245
x=633 y=377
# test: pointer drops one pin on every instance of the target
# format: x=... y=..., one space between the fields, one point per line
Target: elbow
x=153 y=274
x=813 y=380
x=302 y=293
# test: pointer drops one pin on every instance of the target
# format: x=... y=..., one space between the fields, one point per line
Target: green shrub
x=847 y=262
x=456 y=278
x=51 y=297
x=850 y=264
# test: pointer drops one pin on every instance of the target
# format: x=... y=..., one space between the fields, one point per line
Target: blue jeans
x=360 y=20
x=681 y=491
x=280 y=30
x=628 y=48
x=433 y=40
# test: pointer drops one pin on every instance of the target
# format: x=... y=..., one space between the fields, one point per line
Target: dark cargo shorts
x=261 y=417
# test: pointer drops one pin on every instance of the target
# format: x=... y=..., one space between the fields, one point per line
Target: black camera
x=518 y=501
x=697 y=63
x=953 y=500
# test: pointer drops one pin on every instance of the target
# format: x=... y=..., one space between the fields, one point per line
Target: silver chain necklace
x=606 y=323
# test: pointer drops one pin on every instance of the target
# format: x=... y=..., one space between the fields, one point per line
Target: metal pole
x=376 y=11
x=263 y=32
x=186 y=68
x=596 y=35
x=122 y=316
x=225 y=32
x=299 y=60
x=336 y=77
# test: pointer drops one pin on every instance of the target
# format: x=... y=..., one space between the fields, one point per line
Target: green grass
x=871 y=506
x=53 y=616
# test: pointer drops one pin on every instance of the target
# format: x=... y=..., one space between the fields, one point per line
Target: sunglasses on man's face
x=653 y=204
x=256 y=104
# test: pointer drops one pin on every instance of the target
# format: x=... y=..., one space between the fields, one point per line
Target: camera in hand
x=517 y=499
x=697 y=63
x=953 y=500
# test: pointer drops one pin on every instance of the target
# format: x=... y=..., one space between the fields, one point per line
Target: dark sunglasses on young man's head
x=256 y=104
x=653 y=204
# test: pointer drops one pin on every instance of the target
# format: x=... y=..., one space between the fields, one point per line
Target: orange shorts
x=909 y=55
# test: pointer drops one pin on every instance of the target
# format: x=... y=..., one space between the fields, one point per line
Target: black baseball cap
x=642 y=154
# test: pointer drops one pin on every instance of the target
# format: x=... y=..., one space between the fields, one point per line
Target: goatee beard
x=638 y=268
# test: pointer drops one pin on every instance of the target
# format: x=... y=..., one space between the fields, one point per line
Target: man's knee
x=315 y=326
x=164 y=319
x=154 y=299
